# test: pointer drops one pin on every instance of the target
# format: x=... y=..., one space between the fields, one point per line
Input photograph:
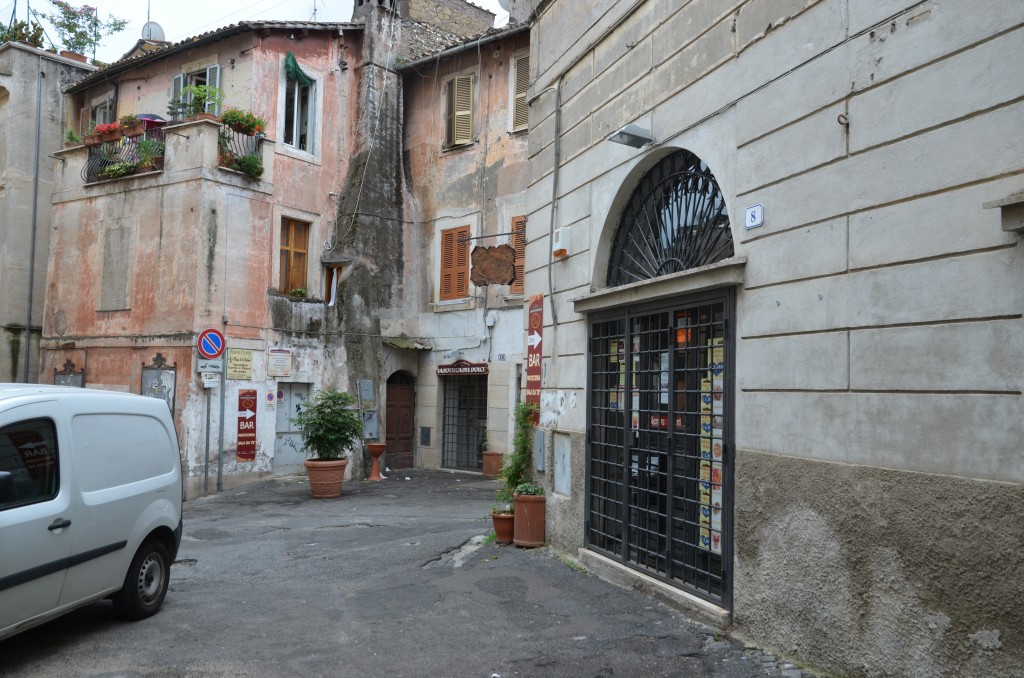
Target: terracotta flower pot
x=134 y=131
x=529 y=520
x=503 y=526
x=375 y=449
x=492 y=464
x=325 y=477
x=92 y=140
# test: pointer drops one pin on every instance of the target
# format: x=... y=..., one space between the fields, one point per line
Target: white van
x=90 y=502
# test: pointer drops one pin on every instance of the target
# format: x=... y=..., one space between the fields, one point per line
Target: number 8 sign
x=753 y=216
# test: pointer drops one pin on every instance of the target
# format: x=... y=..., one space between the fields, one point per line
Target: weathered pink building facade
x=324 y=270
x=466 y=189
x=140 y=265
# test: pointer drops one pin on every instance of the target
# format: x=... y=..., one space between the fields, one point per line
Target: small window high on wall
x=459 y=123
x=299 y=118
x=520 y=84
x=294 y=252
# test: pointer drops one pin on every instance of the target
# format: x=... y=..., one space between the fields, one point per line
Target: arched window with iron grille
x=675 y=220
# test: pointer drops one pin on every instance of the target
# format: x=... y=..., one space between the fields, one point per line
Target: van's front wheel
x=146 y=583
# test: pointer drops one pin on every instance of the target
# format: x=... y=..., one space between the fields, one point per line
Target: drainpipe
x=556 y=147
x=35 y=215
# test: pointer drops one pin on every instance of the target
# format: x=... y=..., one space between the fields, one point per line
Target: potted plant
x=71 y=139
x=329 y=426
x=118 y=169
x=108 y=131
x=131 y=125
x=492 y=460
x=243 y=122
x=529 y=515
x=251 y=165
x=514 y=473
x=199 y=98
x=151 y=154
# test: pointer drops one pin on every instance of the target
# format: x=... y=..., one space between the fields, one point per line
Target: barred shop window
x=294 y=251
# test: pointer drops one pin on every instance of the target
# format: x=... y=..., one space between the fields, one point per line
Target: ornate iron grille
x=465 y=422
x=675 y=220
x=659 y=464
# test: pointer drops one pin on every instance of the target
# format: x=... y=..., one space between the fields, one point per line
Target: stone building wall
x=19 y=66
x=878 y=309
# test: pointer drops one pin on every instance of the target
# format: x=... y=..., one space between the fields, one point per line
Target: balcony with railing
x=201 y=149
x=118 y=158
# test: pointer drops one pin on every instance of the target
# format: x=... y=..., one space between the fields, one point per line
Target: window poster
x=664 y=378
x=711 y=451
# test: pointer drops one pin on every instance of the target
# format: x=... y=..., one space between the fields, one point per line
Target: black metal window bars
x=659 y=464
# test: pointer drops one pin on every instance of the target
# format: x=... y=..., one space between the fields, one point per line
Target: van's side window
x=28 y=452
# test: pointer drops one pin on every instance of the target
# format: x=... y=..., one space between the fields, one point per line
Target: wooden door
x=401 y=403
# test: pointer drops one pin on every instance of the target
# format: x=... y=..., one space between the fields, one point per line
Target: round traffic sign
x=210 y=343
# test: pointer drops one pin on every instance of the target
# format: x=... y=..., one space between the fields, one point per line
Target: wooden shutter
x=518 y=242
x=454 y=263
x=521 y=110
x=213 y=80
x=294 y=247
x=460 y=111
x=84 y=118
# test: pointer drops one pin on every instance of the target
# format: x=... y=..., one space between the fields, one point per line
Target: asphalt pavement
x=391 y=579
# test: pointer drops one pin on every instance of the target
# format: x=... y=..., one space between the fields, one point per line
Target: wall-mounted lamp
x=633 y=135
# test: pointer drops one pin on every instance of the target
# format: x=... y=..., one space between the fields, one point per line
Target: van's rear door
x=36 y=524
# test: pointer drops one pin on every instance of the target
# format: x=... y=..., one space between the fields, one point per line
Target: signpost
x=210 y=345
x=534 y=352
x=247 y=407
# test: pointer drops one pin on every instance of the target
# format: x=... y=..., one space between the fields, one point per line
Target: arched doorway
x=399 y=420
x=660 y=396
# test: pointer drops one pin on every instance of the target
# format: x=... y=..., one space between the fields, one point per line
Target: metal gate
x=659 y=482
x=465 y=422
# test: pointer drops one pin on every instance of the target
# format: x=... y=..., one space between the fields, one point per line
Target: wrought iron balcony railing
x=241 y=152
x=125 y=156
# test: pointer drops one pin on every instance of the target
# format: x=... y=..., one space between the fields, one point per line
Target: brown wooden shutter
x=518 y=242
x=460 y=111
x=454 y=263
x=294 y=248
x=521 y=110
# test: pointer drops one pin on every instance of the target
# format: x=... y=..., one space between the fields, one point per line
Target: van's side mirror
x=6 y=486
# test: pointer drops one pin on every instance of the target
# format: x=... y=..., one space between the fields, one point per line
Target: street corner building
x=779 y=250
x=324 y=242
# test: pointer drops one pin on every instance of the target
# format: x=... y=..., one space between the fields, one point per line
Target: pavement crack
x=455 y=557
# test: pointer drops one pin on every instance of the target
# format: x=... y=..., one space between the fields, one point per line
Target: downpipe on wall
x=35 y=215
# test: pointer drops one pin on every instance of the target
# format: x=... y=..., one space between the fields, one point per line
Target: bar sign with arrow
x=247 y=404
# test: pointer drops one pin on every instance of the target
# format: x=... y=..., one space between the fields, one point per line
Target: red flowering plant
x=106 y=128
x=243 y=122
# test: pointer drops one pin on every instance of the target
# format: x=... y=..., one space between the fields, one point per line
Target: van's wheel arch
x=146 y=582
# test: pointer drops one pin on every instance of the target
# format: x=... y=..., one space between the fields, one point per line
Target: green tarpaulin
x=291 y=68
